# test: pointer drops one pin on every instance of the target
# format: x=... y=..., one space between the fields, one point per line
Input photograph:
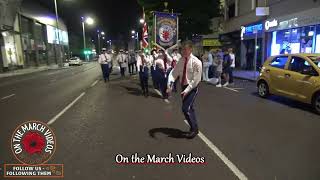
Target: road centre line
x=6 y=97
x=65 y=109
x=94 y=83
x=220 y=154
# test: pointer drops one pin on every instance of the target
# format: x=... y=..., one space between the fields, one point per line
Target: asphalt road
x=242 y=136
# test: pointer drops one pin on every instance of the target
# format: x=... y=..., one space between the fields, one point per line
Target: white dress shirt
x=122 y=60
x=147 y=62
x=233 y=58
x=160 y=62
x=176 y=56
x=193 y=73
x=104 y=58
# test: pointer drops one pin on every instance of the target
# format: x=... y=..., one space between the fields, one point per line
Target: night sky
x=115 y=17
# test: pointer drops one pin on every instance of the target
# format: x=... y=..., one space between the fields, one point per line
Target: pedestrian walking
x=189 y=69
x=143 y=64
x=218 y=62
x=163 y=63
x=132 y=62
x=226 y=68
x=111 y=61
x=122 y=61
x=104 y=60
x=154 y=57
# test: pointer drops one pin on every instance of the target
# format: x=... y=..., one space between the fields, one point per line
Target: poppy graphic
x=33 y=143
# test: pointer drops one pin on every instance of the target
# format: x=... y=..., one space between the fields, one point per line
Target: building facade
x=33 y=39
x=292 y=26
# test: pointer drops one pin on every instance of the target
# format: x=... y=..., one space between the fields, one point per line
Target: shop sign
x=270 y=24
x=211 y=42
x=250 y=30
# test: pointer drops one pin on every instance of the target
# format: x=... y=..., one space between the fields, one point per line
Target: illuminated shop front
x=298 y=33
x=251 y=43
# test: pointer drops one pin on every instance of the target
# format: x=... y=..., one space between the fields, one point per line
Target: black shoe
x=192 y=134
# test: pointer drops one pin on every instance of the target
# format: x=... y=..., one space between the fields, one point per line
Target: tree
x=195 y=17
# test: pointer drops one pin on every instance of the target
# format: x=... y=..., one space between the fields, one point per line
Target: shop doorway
x=250 y=50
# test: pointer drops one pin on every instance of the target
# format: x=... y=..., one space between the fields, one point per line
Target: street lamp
x=135 y=35
x=99 y=43
x=141 y=20
x=89 y=21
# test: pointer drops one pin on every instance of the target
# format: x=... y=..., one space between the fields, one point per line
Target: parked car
x=295 y=76
x=75 y=61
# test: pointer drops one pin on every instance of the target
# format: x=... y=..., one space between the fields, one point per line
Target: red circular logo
x=33 y=143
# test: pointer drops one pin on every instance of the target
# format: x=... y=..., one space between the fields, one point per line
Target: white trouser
x=205 y=73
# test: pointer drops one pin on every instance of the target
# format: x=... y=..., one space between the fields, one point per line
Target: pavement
x=246 y=75
x=241 y=135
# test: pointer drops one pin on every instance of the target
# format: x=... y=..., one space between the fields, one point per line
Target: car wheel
x=263 y=89
x=316 y=103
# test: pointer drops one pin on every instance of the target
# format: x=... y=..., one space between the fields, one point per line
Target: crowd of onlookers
x=218 y=67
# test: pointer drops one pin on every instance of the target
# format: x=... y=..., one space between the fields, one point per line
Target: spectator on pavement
x=218 y=62
x=233 y=65
x=226 y=67
x=206 y=64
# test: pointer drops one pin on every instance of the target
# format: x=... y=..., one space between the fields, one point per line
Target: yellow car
x=295 y=76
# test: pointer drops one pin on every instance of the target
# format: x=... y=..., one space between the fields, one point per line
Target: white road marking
x=238 y=88
x=93 y=84
x=65 y=109
x=6 y=97
x=220 y=154
x=231 y=89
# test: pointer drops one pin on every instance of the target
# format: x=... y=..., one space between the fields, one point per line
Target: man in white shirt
x=122 y=61
x=104 y=60
x=233 y=65
x=189 y=69
x=143 y=64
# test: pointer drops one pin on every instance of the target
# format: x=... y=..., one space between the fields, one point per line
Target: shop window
x=279 y=62
x=307 y=38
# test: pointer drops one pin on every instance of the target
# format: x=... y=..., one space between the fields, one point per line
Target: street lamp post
x=89 y=21
x=84 y=37
x=58 y=60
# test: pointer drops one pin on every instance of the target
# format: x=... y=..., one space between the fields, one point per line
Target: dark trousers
x=163 y=84
x=157 y=78
x=122 y=70
x=188 y=109
x=132 y=66
x=105 y=71
x=154 y=78
x=144 y=76
x=231 y=75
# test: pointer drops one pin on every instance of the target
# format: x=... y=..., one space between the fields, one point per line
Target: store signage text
x=270 y=24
